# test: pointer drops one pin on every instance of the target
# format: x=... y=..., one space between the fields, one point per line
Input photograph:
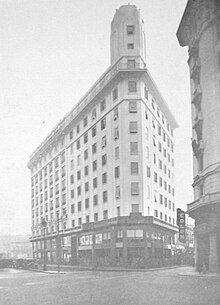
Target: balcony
x=206 y=200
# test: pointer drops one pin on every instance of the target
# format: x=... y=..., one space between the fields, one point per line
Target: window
x=96 y=218
x=63 y=171
x=130 y=46
x=94 y=165
x=95 y=183
x=104 y=142
x=63 y=185
x=94 y=131
x=104 y=178
x=86 y=153
x=131 y=63
x=161 y=215
x=72 y=193
x=146 y=93
x=134 y=168
x=85 y=137
x=71 y=135
x=71 y=165
x=159 y=147
x=105 y=196
x=161 y=199
x=116 y=153
x=165 y=202
x=132 y=107
x=117 y=172
x=86 y=186
x=148 y=171
x=95 y=200
x=78 y=144
x=134 y=188
x=117 y=192
x=116 y=133
x=79 y=221
x=161 y=181
x=133 y=148
x=79 y=206
x=133 y=127
x=72 y=208
x=103 y=123
x=130 y=29
x=73 y=223
x=78 y=160
x=104 y=160
x=103 y=105
x=132 y=86
x=118 y=211
x=94 y=148
x=160 y=164
x=153 y=104
x=155 y=177
x=85 y=121
x=115 y=114
x=87 y=203
x=78 y=175
x=79 y=190
x=173 y=207
x=94 y=114
x=115 y=94
x=87 y=218
x=78 y=128
x=135 y=234
x=155 y=213
x=86 y=170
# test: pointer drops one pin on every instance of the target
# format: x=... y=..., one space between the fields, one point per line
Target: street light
x=58 y=220
x=44 y=225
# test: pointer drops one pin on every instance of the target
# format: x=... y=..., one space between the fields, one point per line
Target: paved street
x=173 y=287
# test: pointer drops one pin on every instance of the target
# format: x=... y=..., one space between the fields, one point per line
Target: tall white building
x=103 y=179
x=200 y=31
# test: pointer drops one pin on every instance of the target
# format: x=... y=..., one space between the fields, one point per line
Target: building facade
x=103 y=179
x=200 y=31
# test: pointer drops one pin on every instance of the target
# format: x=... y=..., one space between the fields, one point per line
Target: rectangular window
x=115 y=94
x=118 y=211
x=72 y=193
x=133 y=127
x=117 y=172
x=79 y=190
x=117 y=192
x=78 y=144
x=116 y=133
x=104 y=142
x=85 y=138
x=85 y=121
x=87 y=203
x=78 y=128
x=86 y=186
x=86 y=153
x=132 y=86
x=134 y=188
x=131 y=63
x=103 y=123
x=134 y=168
x=94 y=114
x=146 y=93
x=94 y=131
x=79 y=221
x=161 y=199
x=103 y=105
x=104 y=178
x=78 y=175
x=72 y=209
x=86 y=170
x=104 y=160
x=116 y=153
x=105 y=196
x=155 y=213
x=133 y=148
x=94 y=165
x=96 y=218
x=94 y=148
x=130 y=46
x=115 y=114
x=132 y=107
x=130 y=29
x=148 y=171
x=95 y=183
x=87 y=218
x=95 y=200
x=155 y=177
x=71 y=135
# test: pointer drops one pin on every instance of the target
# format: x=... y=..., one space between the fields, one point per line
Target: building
x=15 y=246
x=103 y=179
x=200 y=31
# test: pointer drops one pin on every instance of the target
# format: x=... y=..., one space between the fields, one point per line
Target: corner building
x=200 y=31
x=103 y=179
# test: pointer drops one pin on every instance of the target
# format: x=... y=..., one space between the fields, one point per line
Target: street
x=161 y=287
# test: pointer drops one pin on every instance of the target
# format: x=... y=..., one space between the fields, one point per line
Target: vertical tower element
x=127 y=34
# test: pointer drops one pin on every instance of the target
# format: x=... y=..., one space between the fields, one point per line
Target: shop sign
x=181 y=222
x=85 y=240
x=98 y=238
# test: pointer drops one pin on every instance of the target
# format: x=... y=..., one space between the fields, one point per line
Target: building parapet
x=207 y=199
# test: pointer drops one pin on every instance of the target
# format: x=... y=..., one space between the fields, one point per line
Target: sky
x=51 y=53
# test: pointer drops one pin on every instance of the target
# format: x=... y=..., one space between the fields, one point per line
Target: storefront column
x=213 y=255
x=196 y=250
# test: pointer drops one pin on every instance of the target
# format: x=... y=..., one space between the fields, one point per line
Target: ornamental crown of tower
x=127 y=34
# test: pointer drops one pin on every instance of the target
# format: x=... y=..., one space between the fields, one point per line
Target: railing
x=101 y=82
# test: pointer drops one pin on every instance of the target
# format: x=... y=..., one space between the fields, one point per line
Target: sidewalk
x=190 y=271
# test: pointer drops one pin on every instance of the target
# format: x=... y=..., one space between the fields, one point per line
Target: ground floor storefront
x=133 y=241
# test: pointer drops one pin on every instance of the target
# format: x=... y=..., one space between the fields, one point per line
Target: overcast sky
x=51 y=52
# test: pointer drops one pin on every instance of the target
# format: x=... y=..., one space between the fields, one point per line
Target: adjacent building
x=200 y=31
x=103 y=179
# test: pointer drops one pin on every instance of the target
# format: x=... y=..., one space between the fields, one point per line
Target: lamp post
x=44 y=225
x=58 y=220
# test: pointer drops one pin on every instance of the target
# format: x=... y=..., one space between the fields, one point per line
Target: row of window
x=164 y=217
